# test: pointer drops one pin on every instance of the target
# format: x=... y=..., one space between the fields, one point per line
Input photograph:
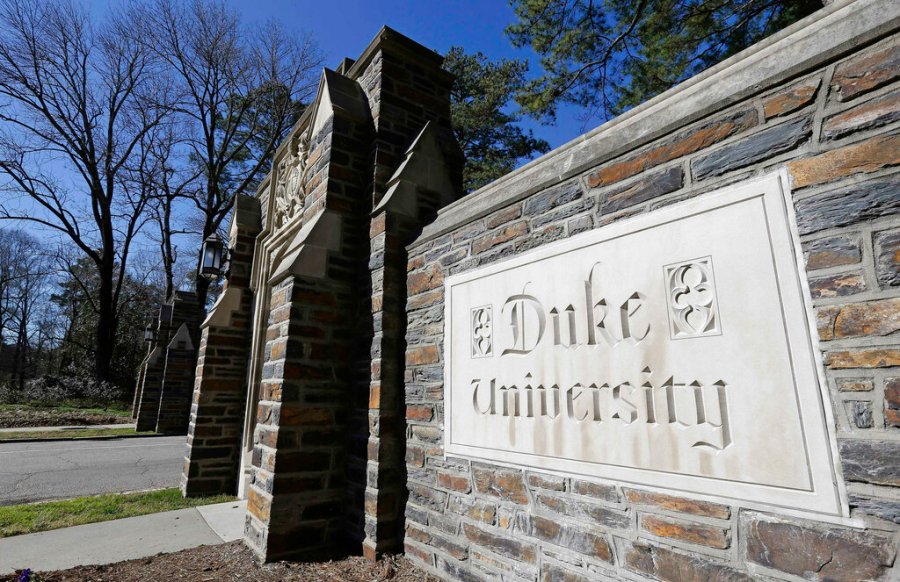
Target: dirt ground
x=234 y=562
x=30 y=417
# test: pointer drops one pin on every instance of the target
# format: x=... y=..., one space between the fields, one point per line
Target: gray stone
x=849 y=205
x=647 y=188
x=556 y=196
x=868 y=461
x=760 y=146
x=882 y=508
x=831 y=252
x=813 y=552
x=860 y=413
x=887 y=258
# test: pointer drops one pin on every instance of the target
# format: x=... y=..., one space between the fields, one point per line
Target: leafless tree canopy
x=162 y=107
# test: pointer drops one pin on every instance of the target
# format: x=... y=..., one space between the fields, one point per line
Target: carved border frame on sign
x=826 y=497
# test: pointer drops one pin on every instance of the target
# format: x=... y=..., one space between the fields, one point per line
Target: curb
x=92 y=438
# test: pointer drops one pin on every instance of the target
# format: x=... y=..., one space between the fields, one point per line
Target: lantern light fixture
x=213 y=257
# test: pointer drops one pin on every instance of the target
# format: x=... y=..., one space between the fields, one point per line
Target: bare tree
x=240 y=91
x=75 y=102
x=24 y=278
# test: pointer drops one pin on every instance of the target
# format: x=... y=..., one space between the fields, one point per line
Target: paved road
x=57 y=470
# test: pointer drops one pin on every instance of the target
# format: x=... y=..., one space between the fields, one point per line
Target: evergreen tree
x=610 y=55
x=483 y=118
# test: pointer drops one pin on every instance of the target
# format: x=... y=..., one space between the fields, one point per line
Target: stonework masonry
x=166 y=377
x=322 y=457
x=319 y=392
x=822 y=100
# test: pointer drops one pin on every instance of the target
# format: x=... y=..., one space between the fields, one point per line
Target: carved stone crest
x=289 y=188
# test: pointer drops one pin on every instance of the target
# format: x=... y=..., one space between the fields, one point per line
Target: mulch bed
x=30 y=417
x=235 y=562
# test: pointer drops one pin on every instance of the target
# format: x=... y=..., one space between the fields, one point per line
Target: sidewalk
x=61 y=428
x=124 y=539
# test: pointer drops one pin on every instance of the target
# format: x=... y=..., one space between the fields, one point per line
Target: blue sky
x=343 y=28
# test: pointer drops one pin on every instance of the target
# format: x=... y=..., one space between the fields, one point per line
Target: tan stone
x=791 y=99
x=419 y=355
x=493 y=239
x=859 y=158
x=862 y=74
x=505 y=484
x=695 y=533
x=863 y=358
x=672 y=503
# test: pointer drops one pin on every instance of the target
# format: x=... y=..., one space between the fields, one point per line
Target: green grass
x=34 y=517
x=71 y=406
x=68 y=434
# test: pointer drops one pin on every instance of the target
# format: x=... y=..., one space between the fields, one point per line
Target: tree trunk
x=107 y=320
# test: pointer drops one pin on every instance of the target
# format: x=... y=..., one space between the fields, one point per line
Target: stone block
x=499 y=237
x=791 y=99
x=504 y=216
x=892 y=402
x=574 y=538
x=596 y=490
x=816 y=552
x=865 y=157
x=887 y=257
x=871 y=461
x=670 y=566
x=832 y=252
x=885 y=509
x=863 y=358
x=837 y=285
x=855 y=385
x=868 y=318
x=585 y=511
x=857 y=203
x=694 y=533
x=552 y=198
x=864 y=73
x=875 y=113
x=500 y=543
x=508 y=485
x=680 y=504
x=860 y=413
x=760 y=146
x=644 y=189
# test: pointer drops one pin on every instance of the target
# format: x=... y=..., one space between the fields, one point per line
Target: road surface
x=61 y=469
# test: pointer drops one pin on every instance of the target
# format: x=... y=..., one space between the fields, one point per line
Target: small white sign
x=673 y=350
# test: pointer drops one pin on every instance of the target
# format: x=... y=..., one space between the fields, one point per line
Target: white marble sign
x=673 y=350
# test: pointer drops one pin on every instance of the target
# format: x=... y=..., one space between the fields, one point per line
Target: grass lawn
x=68 y=434
x=72 y=406
x=34 y=517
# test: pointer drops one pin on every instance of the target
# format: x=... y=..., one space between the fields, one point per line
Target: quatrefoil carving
x=482 y=332
x=693 y=306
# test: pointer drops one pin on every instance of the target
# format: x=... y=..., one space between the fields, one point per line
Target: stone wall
x=312 y=332
x=821 y=99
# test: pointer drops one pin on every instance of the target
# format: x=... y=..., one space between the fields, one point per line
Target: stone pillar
x=146 y=407
x=212 y=460
x=423 y=182
x=297 y=497
x=356 y=179
x=168 y=374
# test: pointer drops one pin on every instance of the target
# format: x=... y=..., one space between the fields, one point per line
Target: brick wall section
x=213 y=453
x=146 y=398
x=181 y=363
x=297 y=499
x=406 y=88
x=837 y=131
